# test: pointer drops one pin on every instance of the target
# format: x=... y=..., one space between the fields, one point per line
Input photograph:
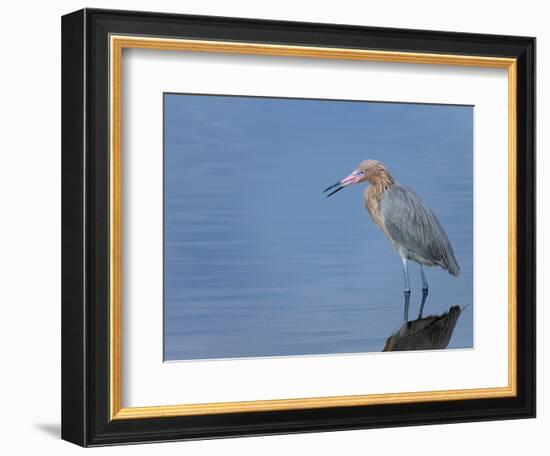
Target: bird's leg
x=424 y=291
x=407 y=290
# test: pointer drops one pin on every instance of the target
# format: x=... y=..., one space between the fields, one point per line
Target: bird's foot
x=407 y=294
x=424 y=296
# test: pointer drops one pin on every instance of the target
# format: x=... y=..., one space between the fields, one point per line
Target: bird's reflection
x=428 y=333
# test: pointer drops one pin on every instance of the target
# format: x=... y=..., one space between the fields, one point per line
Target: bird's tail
x=452 y=266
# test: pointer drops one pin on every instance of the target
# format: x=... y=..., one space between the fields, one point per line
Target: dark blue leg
x=407 y=291
x=424 y=291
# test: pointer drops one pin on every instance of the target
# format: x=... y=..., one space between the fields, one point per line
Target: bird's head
x=371 y=171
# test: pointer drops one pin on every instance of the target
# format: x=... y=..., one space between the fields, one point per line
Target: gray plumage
x=414 y=230
x=410 y=225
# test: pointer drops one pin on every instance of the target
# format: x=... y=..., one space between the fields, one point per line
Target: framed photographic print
x=279 y=227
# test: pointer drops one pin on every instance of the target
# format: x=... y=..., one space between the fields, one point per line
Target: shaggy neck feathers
x=379 y=181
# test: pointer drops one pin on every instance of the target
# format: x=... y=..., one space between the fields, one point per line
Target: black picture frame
x=85 y=228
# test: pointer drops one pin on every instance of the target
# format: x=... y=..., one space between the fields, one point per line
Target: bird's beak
x=353 y=178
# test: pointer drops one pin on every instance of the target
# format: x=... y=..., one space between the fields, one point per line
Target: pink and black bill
x=353 y=178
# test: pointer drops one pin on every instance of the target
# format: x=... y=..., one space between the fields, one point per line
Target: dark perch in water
x=430 y=333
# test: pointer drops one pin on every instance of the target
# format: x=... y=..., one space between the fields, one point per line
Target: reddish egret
x=409 y=224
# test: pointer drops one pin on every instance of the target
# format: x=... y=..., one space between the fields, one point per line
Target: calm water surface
x=258 y=263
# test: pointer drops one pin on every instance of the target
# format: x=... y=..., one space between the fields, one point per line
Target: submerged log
x=429 y=333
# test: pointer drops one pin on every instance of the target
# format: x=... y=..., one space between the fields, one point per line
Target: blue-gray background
x=258 y=263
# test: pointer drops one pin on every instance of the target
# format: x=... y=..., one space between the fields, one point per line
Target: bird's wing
x=413 y=225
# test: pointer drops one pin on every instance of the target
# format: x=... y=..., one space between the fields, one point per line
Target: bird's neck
x=381 y=180
x=374 y=192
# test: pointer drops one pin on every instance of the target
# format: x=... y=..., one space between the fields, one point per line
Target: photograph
x=274 y=229
x=279 y=227
x=263 y=257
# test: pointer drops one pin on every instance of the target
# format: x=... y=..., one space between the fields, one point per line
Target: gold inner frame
x=117 y=44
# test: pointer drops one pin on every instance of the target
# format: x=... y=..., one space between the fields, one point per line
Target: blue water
x=258 y=263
